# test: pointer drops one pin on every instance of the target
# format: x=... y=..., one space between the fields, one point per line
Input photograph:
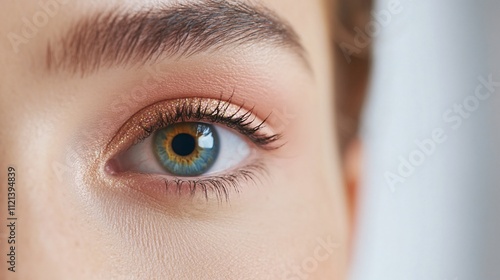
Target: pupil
x=183 y=144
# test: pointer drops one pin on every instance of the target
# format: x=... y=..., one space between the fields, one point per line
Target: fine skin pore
x=70 y=111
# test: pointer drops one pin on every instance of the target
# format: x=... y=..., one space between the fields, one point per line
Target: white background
x=443 y=222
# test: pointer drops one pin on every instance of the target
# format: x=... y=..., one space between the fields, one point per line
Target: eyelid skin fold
x=164 y=113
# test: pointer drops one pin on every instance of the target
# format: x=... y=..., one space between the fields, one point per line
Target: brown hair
x=351 y=70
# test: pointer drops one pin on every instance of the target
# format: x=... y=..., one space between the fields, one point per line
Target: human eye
x=192 y=146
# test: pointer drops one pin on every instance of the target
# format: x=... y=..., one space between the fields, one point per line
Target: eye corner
x=112 y=167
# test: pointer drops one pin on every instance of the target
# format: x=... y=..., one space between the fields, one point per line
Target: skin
x=76 y=221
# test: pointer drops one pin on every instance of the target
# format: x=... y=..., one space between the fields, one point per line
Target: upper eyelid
x=220 y=114
x=145 y=122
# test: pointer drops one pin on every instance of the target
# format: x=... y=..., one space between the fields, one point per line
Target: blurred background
x=418 y=83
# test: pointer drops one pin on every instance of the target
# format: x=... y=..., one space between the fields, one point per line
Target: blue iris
x=187 y=149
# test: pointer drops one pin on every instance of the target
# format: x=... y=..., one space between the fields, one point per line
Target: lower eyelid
x=215 y=188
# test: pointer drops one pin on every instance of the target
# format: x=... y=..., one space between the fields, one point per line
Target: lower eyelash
x=221 y=186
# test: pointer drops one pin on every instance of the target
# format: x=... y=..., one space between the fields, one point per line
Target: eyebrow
x=116 y=38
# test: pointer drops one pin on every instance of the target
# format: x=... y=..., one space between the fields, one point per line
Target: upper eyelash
x=189 y=112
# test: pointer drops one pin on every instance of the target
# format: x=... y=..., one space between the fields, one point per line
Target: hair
x=351 y=76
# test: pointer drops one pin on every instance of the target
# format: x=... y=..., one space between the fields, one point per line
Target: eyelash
x=218 y=185
x=189 y=112
x=243 y=122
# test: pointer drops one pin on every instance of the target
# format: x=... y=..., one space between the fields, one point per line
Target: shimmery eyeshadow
x=164 y=113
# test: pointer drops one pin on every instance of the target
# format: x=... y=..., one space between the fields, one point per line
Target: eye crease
x=187 y=149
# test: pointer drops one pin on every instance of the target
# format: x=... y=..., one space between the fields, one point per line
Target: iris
x=187 y=149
